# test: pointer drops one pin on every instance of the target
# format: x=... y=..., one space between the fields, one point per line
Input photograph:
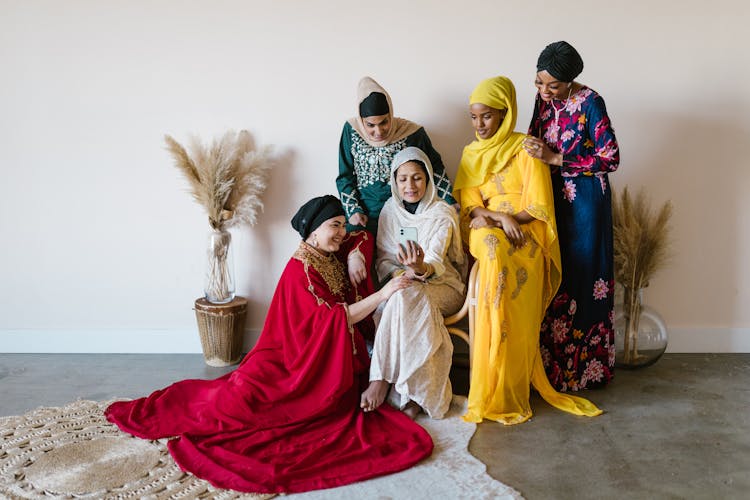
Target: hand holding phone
x=406 y=234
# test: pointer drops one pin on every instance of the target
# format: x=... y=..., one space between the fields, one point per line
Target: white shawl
x=436 y=223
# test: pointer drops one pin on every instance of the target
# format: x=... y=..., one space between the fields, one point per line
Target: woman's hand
x=537 y=148
x=411 y=255
x=481 y=221
x=512 y=229
x=358 y=219
x=394 y=285
x=356 y=267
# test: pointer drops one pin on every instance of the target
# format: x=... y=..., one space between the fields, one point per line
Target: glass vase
x=219 y=284
x=640 y=332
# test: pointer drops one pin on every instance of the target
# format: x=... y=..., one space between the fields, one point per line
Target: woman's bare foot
x=374 y=395
x=412 y=409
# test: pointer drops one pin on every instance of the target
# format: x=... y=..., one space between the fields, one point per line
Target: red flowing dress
x=288 y=418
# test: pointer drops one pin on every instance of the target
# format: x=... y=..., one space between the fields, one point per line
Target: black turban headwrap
x=560 y=60
x=314 y=213
x=375 y=104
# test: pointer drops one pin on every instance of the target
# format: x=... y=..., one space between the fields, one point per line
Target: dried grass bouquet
x=227 y=178
x=641 y=247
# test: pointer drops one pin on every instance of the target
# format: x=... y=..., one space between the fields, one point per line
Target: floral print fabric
x=577 y=335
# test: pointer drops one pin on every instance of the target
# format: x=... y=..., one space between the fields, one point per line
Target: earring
x=315 y=240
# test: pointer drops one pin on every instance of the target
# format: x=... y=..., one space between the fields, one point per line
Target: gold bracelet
x=427 y=272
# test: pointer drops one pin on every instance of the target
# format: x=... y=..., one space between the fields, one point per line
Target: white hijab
x=432 y=215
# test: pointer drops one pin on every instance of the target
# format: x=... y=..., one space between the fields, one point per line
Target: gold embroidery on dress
x=521 y=277
x=532 y=243
x=537 y=213
x=501 y=277
x=328 y=266
x=332 y=272
x=491 y=241
x=499 y=178
x=506 y=207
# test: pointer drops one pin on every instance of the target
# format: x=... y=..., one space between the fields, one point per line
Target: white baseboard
x=708 y=340
x=113 y=341
x=719 y=340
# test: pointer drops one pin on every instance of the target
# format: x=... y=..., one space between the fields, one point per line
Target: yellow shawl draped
x=485 y=157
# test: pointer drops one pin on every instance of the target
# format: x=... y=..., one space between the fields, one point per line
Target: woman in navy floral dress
x=571 y=132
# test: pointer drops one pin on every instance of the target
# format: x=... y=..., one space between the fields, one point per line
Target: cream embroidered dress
x=413 y=349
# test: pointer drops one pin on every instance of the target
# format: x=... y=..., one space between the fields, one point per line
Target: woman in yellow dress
x=508 y=221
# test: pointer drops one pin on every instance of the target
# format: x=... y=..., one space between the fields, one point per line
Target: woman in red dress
x=288 y=418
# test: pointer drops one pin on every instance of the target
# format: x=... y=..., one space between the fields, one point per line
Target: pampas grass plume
x=227 y=177
x=641 y=238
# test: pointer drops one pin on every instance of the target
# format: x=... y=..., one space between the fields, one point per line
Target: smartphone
x=407 y=233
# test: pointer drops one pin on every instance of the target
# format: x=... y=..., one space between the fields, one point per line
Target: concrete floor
x=677 y=429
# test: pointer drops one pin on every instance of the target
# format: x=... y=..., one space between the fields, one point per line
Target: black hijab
x=560 y=60
x=314 y=213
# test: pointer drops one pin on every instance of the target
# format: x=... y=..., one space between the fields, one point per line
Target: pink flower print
x=595 y=340
x=546 y=114
x=594 y=372
x=573 y=307
x=601 y=127
x=559 y=330
x=570 y=348
x=546 y=358
x=569 y=191
x=600 y=289
x=567 y=135
x=611 y=360
x=552 y=133
x=573 y=386
x=573 y=103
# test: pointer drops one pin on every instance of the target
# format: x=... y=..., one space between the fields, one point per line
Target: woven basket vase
x=221 y=328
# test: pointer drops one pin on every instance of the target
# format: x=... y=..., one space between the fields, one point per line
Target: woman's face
x=377 y=127
x=329 y=235
x=550 y=87
x=411 y=181
x=486 y=120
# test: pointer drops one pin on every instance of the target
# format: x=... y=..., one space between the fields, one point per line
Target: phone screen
x=407 y=233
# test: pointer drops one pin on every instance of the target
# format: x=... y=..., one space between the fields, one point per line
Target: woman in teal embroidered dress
x=368 y=144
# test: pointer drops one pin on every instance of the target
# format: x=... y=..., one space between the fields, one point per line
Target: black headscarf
x=314 y=213
x=375 y=104
x=560 y=60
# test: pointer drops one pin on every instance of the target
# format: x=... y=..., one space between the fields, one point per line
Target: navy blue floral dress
x=577 y=336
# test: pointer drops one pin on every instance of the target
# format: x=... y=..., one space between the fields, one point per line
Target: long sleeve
x=443 y=184
x=436 y=249
x=346 y=181
x=599 y=152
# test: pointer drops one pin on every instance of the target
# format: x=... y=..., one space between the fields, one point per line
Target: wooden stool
x=221 y=328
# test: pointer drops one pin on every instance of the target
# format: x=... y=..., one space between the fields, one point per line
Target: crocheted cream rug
x=73 y=452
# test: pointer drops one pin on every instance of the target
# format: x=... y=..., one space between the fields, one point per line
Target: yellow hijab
x=400 y=128
x=484 y=157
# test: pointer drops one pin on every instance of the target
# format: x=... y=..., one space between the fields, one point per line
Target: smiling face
x=486 y=120
x=329 y=235
x=550 y=87
x=411 y=181
x=377 y=127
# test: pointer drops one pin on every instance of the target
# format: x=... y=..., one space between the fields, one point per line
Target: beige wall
x=102 y=247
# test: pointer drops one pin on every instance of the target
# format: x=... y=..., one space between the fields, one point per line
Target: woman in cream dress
x=413 y=349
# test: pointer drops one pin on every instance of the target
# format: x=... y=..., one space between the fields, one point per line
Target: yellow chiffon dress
x=515 y=287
